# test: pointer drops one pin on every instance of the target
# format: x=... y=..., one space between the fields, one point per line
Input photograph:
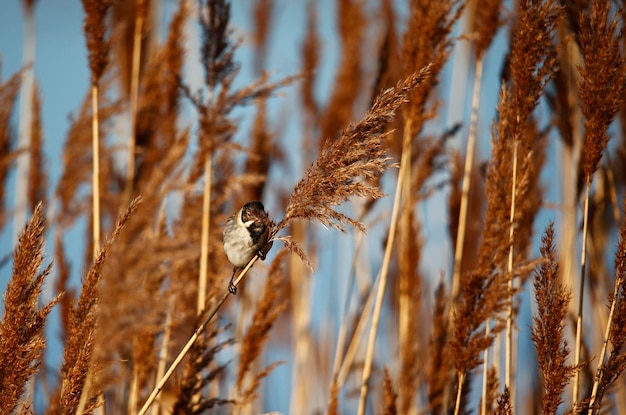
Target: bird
x=245 y=235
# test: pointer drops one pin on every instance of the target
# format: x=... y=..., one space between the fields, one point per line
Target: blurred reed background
x=465 y=160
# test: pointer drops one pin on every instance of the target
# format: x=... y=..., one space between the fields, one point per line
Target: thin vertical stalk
x=355 y=341
x=301 y=300
x=95 y=141
x=463 y=211
x=467 y=178
x=132 y=398
x=605 y=342
x=404 y=300
x=402 y=176
x=509 y=321
x=204 y=238
x=459 y=392
x=483 y=402
x=341 y=337
x=579 y=316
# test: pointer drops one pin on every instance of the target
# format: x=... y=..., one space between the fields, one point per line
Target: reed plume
x=345 y=165
x=549 y=324
x=22 y=338
x=504 y=404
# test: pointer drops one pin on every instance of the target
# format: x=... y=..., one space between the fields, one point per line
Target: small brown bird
x=245 y=235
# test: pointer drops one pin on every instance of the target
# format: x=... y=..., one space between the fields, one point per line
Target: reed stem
x=369 y=356
x=579 y=316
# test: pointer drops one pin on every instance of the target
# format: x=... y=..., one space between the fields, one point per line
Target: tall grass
x=461 y=239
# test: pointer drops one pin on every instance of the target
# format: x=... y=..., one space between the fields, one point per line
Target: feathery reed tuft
x=549 y=324
x=504 y=403
x=345 y=164
x=196 y=378
x=389 y=396
x=487 y=21
x=602 y=80
x=22 y=339
x=95 y=33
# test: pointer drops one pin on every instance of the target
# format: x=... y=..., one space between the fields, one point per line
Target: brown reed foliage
x=549 y=325
x=602 y=80
x=95 y=33
x=487 y=20
x=82 y=330
x=345 y=164
x=195 y=378
x=427 y=41
x=504 y=403
x=22 y=338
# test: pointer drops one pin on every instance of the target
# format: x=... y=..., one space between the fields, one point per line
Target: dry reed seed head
x=504 y=403
x=549 y=324
x=389 y=395
x=487 y=21
x=532 y=63
x=200 y=370
x=95 y=33
x=217 y=50
x=346 y=164
x=602 y=79
x=21 y=328
x=427 y=42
